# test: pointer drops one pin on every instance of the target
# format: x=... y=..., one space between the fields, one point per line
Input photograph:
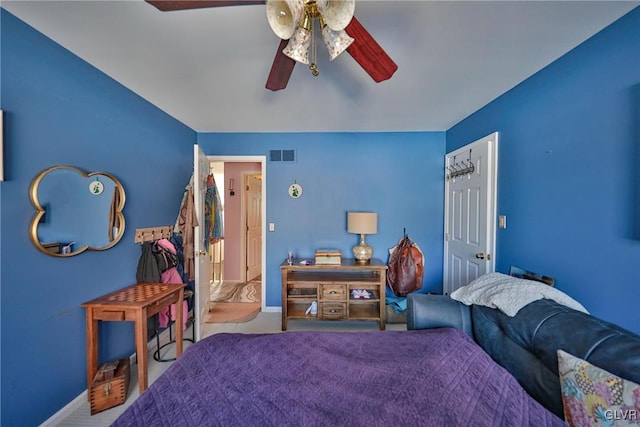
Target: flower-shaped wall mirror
x=75 y=211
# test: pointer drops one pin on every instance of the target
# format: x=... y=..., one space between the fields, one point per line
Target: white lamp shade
x=284 y=16
x=336 y=41
x=362 y=222
x=336 y=13
x=298 y=46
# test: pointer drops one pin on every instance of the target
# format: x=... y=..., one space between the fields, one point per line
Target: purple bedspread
x=437 y=377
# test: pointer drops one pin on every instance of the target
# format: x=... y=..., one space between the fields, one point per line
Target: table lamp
x=362 y=223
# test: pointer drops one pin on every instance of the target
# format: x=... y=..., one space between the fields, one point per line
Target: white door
x=253 y=208
x=470 y=212
x=202 y=262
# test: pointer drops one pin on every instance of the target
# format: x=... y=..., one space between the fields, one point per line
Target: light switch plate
x=272 y=226
x=502 y=221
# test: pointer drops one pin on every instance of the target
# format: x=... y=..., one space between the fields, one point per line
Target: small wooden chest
x=110 y=386
x=328 y=257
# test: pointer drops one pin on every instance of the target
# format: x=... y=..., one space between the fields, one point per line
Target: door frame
x=263 y=171
x=492 y=199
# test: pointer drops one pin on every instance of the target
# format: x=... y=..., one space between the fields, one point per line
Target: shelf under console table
x=332 y=287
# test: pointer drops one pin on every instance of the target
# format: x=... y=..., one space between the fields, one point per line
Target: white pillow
x=509 y=294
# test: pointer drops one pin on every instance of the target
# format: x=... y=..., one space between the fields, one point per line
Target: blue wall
x=568 y=180
x=398 y=175
x=60 y=110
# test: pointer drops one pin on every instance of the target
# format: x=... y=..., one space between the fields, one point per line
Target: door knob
x=202 y=253
x=480 y=255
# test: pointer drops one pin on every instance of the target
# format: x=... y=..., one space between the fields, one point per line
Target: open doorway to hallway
x=237 y=258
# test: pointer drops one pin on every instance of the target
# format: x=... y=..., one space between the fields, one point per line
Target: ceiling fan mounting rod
x=311 y=8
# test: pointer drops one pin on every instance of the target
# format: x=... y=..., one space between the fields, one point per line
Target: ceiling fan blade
x=169 y=5
x=368 y=53
x=281 y=69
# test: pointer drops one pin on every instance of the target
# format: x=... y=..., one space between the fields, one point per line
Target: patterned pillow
x=594 y=397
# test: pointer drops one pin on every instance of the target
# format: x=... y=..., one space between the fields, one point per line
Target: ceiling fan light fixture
x=284 y=16
x=298 y=46
x=336 y=13
x=336 y=41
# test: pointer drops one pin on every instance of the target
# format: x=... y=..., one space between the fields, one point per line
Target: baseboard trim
x=64 y=413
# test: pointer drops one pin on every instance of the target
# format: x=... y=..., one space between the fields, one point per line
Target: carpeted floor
x=235 y=302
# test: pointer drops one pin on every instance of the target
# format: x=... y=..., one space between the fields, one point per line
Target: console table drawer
x=333 y=311
x=333 y=292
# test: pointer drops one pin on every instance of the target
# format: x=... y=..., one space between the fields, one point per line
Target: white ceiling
x=208 y=67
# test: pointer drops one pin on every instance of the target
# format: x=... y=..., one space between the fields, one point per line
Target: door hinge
x=446 y=237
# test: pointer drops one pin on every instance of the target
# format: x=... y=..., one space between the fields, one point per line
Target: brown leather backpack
x=405 y=268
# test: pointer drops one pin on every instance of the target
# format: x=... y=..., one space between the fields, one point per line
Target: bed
x=437 y=377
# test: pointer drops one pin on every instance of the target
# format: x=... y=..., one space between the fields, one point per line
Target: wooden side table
x=335 y=289
x=135 y=303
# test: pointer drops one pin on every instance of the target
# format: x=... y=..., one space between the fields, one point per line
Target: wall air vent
x=287 y=156
x=275 y=155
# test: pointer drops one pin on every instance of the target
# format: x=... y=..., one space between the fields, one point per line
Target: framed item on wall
x=295 y=190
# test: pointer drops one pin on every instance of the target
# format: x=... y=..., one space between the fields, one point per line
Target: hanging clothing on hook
x=171 y=275
x=148 y=270
x=406 y=267
x=185 y=224
x=213 y=212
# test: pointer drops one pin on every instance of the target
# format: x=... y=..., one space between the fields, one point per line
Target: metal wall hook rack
x=465 y=167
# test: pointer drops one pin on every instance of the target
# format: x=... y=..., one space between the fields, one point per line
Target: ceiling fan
x=292 y=21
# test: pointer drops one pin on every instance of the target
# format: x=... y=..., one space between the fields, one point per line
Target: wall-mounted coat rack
x=153 y=233
x=465 y=167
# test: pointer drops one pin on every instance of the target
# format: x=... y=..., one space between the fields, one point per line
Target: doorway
x=203 y=261
x=242 y=185
x=470 y=212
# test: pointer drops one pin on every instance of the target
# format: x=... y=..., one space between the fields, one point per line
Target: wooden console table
x=332 y=286
x=135 y=303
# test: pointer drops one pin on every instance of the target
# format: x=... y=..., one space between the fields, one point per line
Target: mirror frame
x=40 y=211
